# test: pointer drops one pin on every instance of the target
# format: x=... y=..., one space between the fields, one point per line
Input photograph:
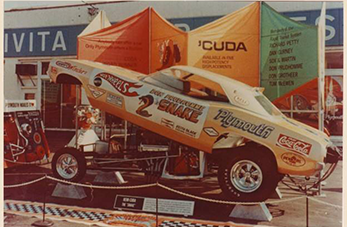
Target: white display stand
x=69 y=191
x=110 y=178
x=276 y=194
x=85 y=137
x=251 y=212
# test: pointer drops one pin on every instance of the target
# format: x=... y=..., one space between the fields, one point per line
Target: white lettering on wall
x=43 y=39
x=300 y=19
x=18 y=46
x=31 y=41
x=329 y=28
x=31 y=35
x=185 y=27
x=59 y=41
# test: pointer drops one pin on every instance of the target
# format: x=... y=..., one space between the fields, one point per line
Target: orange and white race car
x=202 y=116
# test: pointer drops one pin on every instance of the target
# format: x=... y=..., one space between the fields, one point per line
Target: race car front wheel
x=69 y=164
x=247 y=176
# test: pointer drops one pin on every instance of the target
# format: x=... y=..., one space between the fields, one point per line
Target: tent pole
x=259 y=40
x=150 y=40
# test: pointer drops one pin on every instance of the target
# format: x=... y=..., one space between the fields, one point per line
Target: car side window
x=202 y=88
x=165 y=81
x=191 y=85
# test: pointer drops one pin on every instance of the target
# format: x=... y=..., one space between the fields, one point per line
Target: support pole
x=307 y=211
x=76 y=116
x=156 y=206
x=125 y=134
x=44 y=222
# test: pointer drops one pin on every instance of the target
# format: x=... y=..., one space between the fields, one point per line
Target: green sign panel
x=289 y=53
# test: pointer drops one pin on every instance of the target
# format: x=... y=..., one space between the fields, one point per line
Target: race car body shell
x=174 y=103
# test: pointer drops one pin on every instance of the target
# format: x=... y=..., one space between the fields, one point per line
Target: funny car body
x=190 y=120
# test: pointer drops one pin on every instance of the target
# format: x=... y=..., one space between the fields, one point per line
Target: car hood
x=308 y=134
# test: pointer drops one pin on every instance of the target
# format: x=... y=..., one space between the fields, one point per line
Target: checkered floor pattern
x=187 y=224
x=95 y=216
x=55 y=211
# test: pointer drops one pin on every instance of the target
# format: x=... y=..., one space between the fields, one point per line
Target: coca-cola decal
x=119 y=84
x=293 y=144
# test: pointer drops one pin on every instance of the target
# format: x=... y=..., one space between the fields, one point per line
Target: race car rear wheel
x=69 y=164
x=248 y=176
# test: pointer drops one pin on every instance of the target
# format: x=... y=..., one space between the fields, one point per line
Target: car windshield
x=165 y=80
x=188 y=84
x=267 y=105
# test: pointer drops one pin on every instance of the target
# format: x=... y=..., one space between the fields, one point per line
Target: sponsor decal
x=228 y=120
x=211 y=132
x=68 y=65
x=186 y=131
x=293 y=159
x=114 y=99
x=37 y=138
x=293 y=144
x=122 y=86
x=97 y=81
x=167 y=123
x=181 y=108
x=146 y=101
x=157 y=93
x=54 y=70
x=222 y=45
x=96 y=92
x=241 y=101
x=168 y=111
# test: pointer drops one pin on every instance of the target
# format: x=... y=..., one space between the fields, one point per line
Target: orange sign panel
x=124 y=44
x=229 y=45
x=168 y=44
x=145 y=43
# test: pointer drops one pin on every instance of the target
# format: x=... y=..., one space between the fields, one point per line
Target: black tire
x=73 y=170
x=248 y=166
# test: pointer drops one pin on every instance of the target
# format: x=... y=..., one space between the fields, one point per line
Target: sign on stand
x=165 y=206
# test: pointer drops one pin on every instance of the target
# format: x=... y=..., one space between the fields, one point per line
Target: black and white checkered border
x=89 y=215
x=56 y=211
x=187 y=224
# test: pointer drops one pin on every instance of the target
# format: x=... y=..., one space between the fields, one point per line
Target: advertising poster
x=229 y=45
x=289 y=53
x=124 y=44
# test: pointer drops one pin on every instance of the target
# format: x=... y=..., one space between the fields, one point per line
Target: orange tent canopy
x=145 y=43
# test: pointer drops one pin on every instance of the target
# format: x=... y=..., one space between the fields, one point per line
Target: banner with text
x=124 y=44
x=145 y=43
x=229 y=45
x=289 y=53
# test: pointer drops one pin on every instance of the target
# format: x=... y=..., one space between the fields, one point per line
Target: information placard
x=165 y=206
